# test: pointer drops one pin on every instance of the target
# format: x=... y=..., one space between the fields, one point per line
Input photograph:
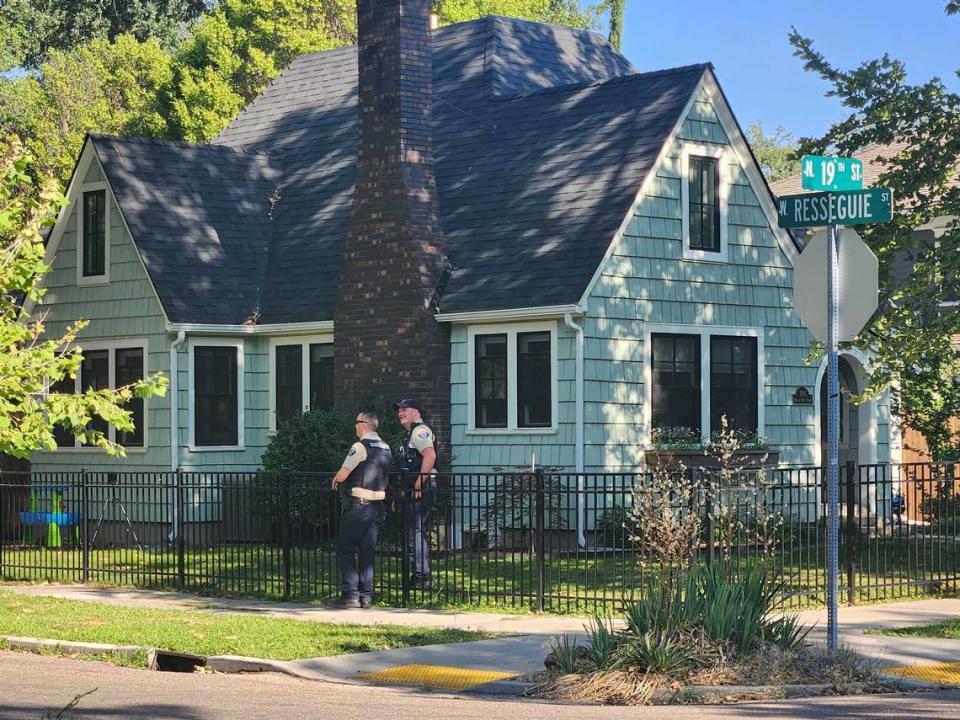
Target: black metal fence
x=545 y=541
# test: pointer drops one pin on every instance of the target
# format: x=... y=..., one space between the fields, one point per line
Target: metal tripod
x=123 y=512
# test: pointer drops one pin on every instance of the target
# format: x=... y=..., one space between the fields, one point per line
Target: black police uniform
x=362 y=514
x=418 y=509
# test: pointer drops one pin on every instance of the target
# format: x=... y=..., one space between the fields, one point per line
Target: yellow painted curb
x=940 y=673
x=440 y=677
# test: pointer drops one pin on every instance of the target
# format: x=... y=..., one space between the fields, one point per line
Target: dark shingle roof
x=543 y=135
x=200 y=215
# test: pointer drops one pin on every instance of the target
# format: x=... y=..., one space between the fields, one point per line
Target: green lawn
x=886 y=569
x=203 y=632
x=949 y=629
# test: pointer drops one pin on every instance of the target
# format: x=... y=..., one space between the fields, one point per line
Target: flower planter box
x=745 y=459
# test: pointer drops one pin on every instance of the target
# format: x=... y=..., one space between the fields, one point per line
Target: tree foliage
x=113 y=71
x=776 y=153
x=102 y=86
x=30 y=363
x=32 y=29
x=558 y=12
x=910 y=337
x=616 y=9
x=238 y=48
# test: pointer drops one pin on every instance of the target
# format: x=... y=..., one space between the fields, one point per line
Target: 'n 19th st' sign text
x=852 y=207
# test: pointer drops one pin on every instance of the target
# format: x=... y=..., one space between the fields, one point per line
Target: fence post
x=406 y=511
x=538 y=540
x=709 y=511
x=851 y=534
x=285 y=536
x=178 y=529
x=85 y=537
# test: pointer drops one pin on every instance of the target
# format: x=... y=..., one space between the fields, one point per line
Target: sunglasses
x=360 y=422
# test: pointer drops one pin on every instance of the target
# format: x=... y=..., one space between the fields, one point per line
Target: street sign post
x=838 y=206
x=850 y=207
x=831 y=173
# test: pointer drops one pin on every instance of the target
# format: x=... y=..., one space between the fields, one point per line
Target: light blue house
x=617 y=265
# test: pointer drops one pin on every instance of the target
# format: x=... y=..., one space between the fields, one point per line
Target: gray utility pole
x=833 y=434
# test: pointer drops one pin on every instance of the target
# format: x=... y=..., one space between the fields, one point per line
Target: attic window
x=703 y=177
x=94 y=233
x=704 y=189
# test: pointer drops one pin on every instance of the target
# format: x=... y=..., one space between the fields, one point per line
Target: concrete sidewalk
x=520 y=654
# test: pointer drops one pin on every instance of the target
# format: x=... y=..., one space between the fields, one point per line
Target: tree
x=32 y=29
x=238 y=48
x=31 y=363
x=102 y=86
x=776 y=153
x=616 y=9
x=558 y=12
x=910 y=337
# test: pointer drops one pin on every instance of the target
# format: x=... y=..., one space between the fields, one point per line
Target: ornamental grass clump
x=706 y=625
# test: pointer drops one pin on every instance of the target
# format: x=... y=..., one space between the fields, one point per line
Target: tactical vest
x=410 y=457
x=374 y=472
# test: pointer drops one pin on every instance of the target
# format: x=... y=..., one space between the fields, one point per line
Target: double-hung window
x=676 y=383
x=704 y=200
x=217 y=392
x=733 y=383
x=699 y=377
x=302 y=377
x=108 y=367
x=513 y=377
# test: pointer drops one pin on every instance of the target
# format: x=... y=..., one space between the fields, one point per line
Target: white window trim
x=304 y=341
x=704 y=332
x=87 y=280
x=191 y=405
x=720 y=153
x=112 y=346
x=511 y=330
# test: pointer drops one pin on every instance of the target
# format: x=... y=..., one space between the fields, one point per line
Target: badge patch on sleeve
x=353 y=451
x=424 y=434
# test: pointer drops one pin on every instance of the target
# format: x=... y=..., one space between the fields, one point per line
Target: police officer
x=365 y=473
x=417 y=459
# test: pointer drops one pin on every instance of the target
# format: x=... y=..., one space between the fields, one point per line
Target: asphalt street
x=35 y=686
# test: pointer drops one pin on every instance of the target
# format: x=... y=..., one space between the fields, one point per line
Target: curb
x=501 y=688
x=74 y=648
x=911 y=684
x=232 y=664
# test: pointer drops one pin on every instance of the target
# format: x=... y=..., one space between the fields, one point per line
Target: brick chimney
x=387 y=345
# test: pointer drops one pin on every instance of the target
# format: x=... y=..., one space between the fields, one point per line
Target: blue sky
x=746 y=40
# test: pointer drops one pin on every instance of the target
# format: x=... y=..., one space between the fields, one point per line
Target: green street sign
x=852 y=207
x=830 y=173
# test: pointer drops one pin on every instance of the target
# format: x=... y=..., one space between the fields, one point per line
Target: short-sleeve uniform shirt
x=421 y=438
x=358 y=452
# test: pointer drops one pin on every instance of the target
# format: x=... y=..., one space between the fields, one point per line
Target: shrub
x=656 y=652
x=615 y=527
x=317 y=441
x=313 y=442
x=666 y=606
x=603 y=641
x=564 y=654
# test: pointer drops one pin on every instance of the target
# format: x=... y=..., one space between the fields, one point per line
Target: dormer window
x=94 y=233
